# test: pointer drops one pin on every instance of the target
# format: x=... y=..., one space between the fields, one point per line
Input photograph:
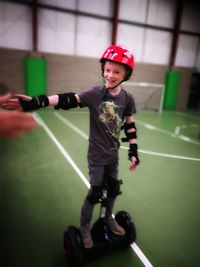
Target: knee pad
x=113 y=186
x=95 y=194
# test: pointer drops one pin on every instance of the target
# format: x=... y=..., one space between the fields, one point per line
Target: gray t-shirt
x=107 y=113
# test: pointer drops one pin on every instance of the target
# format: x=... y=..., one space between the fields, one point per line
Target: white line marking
x=182 y=137
x=141 y=255
x=177 y=130
x=164 y=154
x=158 y=85
x=72 y=126
x=149 y=126
x=136 y=249
x=184 y=114
x=62 y=150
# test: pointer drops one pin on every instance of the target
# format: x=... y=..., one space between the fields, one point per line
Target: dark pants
x=97 y=174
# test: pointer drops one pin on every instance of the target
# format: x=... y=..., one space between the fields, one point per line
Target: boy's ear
x=102 y=68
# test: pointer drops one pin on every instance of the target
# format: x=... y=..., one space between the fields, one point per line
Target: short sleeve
x=88 y=97
x=130 y=108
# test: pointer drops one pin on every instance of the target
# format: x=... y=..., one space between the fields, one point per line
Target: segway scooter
x=104 y=241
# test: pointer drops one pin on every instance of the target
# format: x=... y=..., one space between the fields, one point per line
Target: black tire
x=124 y=219
x=73 y=246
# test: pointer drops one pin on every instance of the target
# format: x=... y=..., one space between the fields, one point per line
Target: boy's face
x=113 y=73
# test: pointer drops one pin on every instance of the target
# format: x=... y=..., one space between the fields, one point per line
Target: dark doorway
x=194 y=95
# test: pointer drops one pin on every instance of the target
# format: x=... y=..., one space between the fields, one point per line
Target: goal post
x=147 y=96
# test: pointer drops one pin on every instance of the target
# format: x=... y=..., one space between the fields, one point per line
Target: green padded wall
x=172 y=84
x=35 y=76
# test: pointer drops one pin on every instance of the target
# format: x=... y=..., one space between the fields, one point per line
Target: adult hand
x=14 y=123
x=11 y=102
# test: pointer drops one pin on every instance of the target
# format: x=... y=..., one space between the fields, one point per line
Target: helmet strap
x=106 y=90
x=117 y=84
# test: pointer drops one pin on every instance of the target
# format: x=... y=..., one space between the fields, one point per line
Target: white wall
x=56 y=32
x=188 y=51
x=67 y=34
x=15 y=26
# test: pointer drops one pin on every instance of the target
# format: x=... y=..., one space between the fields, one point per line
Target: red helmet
x=119 y=54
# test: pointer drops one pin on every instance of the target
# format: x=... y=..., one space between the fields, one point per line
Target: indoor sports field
x=43 y=184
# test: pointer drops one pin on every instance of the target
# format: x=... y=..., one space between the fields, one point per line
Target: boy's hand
x=133 y=156
x=133 y=165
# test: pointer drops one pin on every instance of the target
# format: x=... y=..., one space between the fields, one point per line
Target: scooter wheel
x=124 y=219
x=73 y=246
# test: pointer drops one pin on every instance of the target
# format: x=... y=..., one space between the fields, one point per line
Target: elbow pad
x=66 y=101
x=131 y=135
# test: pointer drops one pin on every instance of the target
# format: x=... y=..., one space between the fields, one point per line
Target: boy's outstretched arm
x=60 y=101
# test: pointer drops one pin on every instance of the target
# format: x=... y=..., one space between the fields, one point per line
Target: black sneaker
x=115 y=227
x=86 y=236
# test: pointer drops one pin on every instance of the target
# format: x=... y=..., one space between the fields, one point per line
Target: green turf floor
x=41 y=193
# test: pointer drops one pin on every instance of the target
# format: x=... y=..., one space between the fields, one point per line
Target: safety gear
x=94 y=194
x=129 y=135
x=119 y=54
x=66 y=101
x=133 y=153
x=35 y=103
x=86 y=236
x=113 y=186
x=115 y=227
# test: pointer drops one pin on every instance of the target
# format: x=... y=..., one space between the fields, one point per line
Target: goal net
x=146 y=95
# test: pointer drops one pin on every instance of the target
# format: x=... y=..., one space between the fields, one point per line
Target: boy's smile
x=114 y=73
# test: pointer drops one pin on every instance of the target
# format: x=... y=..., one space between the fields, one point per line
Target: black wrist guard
x=132 y=152
x=66 y=101
x=35 y=103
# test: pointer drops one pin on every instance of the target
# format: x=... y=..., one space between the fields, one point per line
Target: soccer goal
x=146 y=95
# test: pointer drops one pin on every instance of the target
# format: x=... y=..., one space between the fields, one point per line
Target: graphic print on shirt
x=109 y=116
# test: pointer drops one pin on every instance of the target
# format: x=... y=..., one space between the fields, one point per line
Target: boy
x=109 y=106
